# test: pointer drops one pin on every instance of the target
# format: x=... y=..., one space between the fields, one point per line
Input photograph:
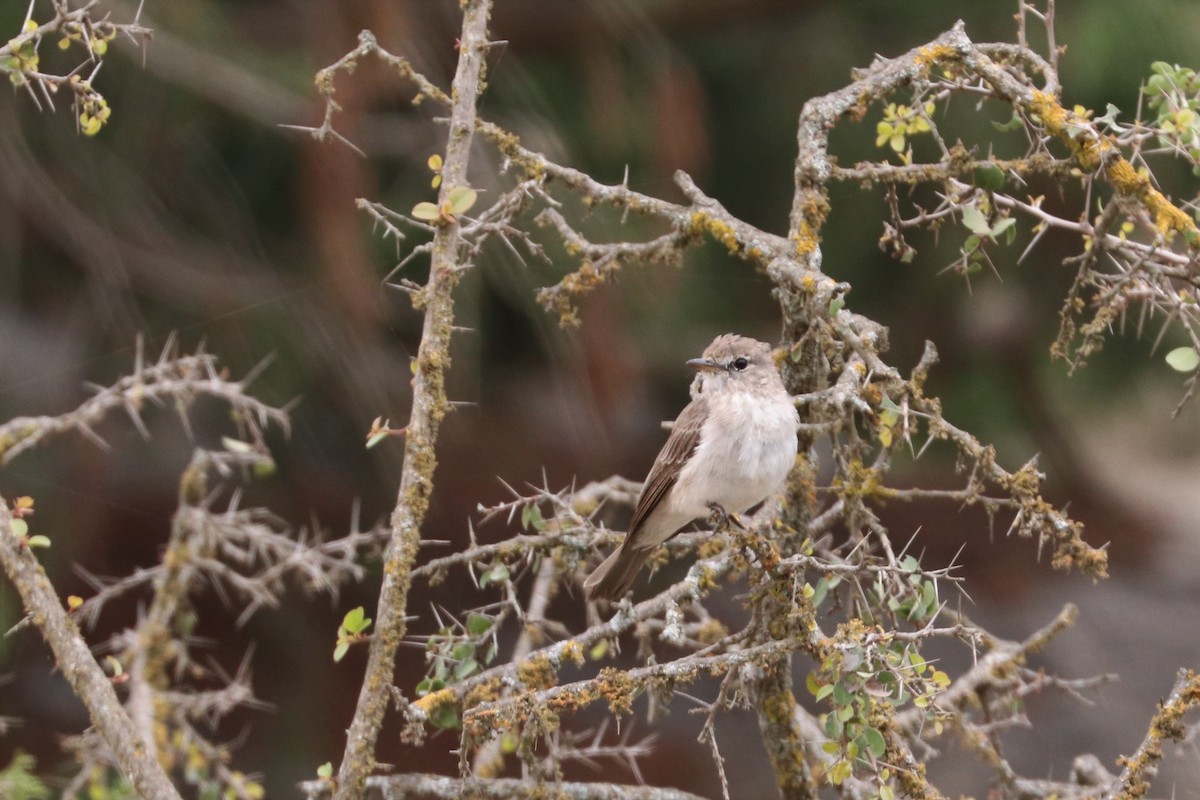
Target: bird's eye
x=740 y=363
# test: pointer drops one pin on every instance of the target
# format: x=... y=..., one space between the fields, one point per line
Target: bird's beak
x=705 y=365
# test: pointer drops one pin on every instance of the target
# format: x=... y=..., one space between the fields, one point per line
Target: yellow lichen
x=537 y=673
x=573 y=651
x=434 y=700
x=806 y=239
x=721 y=231
x=931 y=54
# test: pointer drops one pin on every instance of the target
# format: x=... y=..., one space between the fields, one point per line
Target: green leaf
x=465 y=669
x=1002 y=225
x=532 y=515
x=444 y=716
x=461 y=199
x=975 y=221
x=353 y=619
x=886 y=792
x=875 y=742
x=1012 y=125
x=497 y=574
x=18 y=781
x=1181 y=359
x=426 y=211
x=325 y=771
x=478 y=624
x=842 y=696
x=836 y=305
x=824 y=691
x=38 y=541
x=990 y=178
x=377 y=438
x=820 y=591
x=340 y=651
x=20 y=528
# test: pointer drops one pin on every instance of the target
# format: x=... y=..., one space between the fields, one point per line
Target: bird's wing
x=685 y=436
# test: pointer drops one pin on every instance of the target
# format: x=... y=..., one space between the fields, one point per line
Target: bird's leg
x=722 y=520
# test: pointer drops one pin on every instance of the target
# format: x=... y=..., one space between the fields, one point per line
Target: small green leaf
x=886 y=792
x=426 y=211
x=875 y=742
x=1181 y=359
x=325 y=771
x=836 y=305
x=1002 y=225
x=461 y=199
x=989 y=178
x=377 y=438
x=820 y=591
x=465 y=669
x=1012 y=125
x=340 y=651
x=812 y=684
x=824 y=691
x=38 y=541
x=975 y=221
x=599 y=650
x=20 y=528
x=840 y=771
x=353 y=619
x=444 y=716
x=497 y=574
x=478 y=624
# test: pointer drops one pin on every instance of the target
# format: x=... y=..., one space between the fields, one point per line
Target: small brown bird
x=731 y=448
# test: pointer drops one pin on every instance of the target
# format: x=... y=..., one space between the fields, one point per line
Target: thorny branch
x=827 y=589
x=853 y=399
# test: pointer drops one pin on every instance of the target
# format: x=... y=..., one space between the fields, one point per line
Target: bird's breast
x=747 y=446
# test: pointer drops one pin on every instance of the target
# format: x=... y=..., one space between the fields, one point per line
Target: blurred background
x=195 y=213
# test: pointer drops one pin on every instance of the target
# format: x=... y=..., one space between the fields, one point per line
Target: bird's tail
x=612 y=579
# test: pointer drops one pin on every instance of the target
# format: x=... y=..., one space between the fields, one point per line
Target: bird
x=730 y=448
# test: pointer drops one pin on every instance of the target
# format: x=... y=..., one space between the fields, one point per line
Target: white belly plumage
x=737 y=471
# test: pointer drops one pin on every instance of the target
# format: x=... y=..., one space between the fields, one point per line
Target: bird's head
x=735 y=362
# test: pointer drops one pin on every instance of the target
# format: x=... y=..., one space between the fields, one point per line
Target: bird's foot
x=721 y=519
